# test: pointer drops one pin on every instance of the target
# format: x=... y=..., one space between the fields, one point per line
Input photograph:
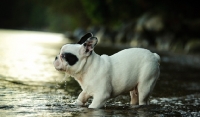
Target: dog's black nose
x=56 y=58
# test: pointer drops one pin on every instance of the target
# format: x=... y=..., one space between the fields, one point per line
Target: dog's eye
x=70 y=58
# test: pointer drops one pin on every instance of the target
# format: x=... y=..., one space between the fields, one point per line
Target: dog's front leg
x=82 y=98
x=99 y=100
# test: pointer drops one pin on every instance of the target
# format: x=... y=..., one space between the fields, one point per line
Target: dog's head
x=73 y=57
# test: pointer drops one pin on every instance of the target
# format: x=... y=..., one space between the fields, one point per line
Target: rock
x=154 y=23
x=93 y=29
x=78 y=33
x=139 y=41
x=177 y=46
x=99 y=34
x=69 y=35
x=125 y=34
x=164 y=41
x=193 y=46
x=150 y=22
x=106 y=36
x=148 y=27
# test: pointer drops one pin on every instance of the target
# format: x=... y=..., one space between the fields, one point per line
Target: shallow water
x=30 y=86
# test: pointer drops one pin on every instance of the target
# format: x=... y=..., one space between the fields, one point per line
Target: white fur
x=102 y=77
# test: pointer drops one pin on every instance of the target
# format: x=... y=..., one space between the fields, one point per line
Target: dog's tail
x=157 y=57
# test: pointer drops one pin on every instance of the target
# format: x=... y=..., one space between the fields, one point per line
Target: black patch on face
x=70 y=58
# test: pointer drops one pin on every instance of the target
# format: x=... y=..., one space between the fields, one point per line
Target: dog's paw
x=78 y=103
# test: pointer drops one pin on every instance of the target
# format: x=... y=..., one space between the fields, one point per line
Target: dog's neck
x=79 y=74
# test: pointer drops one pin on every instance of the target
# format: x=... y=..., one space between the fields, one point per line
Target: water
x=30 y=86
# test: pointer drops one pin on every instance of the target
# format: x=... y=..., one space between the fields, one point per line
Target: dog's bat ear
x=84 y=38
x=89 y=45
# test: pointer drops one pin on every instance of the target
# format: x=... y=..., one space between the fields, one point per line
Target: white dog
x=102 y=77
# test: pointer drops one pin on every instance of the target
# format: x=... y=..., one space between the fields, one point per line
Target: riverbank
x=30 y=86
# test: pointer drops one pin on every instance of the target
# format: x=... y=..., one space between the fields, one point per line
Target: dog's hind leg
x=134 y=96
x=147 y=81
x=144 y=90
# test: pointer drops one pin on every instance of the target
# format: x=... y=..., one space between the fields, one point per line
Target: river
x=30 y=86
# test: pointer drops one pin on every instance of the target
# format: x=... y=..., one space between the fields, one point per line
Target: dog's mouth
x=58 y=64
x=60 y=70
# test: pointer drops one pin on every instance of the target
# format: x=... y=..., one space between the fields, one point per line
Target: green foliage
x=110 y=11
x=60 y=23
x=64 y=15
x=96 y=10
x=49 y=15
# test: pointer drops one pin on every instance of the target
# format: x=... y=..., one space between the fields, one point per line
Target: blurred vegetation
x=48 y=15
x=62 y=15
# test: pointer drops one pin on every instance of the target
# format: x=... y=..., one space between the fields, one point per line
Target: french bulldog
x=103 y=77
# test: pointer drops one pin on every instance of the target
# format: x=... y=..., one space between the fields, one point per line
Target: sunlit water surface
x=30 y=86
x=28 y=56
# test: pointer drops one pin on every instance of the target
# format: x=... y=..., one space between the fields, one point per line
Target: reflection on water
x=27 y=56
x=26 y=61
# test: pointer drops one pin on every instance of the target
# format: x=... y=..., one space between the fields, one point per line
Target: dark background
x=44 y=14
x=120 y=19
